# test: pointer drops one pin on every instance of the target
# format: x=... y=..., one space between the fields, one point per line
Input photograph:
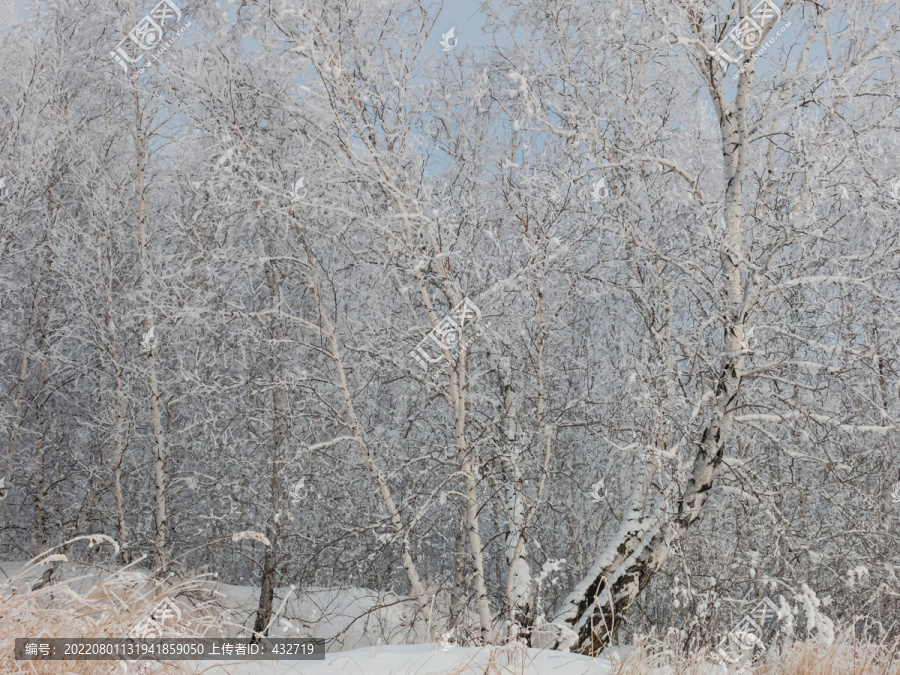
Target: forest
x=571 y=324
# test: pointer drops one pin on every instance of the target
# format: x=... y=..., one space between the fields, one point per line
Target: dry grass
x=107 y=605
x=847 y=656
x=111 y=604
x=655 y=657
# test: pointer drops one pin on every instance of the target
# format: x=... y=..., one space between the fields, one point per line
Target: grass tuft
x=98 y=604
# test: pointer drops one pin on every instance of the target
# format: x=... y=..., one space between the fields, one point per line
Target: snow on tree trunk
x=621 y=574
x=276 y=485
x=149 y=343
x=519 y=584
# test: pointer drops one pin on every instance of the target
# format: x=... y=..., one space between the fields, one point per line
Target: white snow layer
x=426 y=659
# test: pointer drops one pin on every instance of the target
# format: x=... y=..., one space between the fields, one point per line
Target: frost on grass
x=92 y=602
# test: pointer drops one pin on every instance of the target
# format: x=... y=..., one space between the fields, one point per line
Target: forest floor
x=427 y=659
x=368 y=633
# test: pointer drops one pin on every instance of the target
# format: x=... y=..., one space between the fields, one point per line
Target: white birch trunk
x=160 y=476
x=457 y=384
x=458 y=592
x=470 y=490
x=588 y=610
x=368 y=460
x=519 y=584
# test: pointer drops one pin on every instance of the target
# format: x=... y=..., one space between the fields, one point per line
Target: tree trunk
x=40 y=532
x=113 y=356
x=519 y=585
x=19 y=405
x=160 y=475
x=458 y=593
x=87 y=508
x=593 y=610
x=470 y=491
x=276 y=497
x=368 y=460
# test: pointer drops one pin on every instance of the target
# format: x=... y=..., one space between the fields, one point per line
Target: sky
x=468 y=20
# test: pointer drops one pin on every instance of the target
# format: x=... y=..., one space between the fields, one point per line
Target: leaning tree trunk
x=594 y=608
x=401 y=535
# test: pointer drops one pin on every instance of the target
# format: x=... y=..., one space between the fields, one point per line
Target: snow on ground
x=378 y=628
x=347 y=617
x=426 y=659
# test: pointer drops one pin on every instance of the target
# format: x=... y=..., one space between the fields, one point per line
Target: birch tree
x=581 y=327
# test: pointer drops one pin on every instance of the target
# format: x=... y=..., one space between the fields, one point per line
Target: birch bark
x=160 y=475
x=642 y=545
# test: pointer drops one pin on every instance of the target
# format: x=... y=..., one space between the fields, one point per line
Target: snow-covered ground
x=425 y=659
x=347 y=617
x=368 y=633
